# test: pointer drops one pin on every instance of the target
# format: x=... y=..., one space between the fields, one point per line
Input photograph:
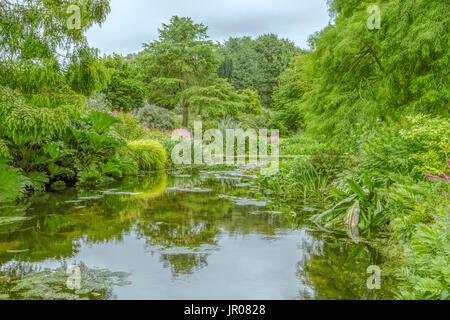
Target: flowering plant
x=443 y=177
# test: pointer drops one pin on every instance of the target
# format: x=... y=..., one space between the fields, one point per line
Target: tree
x=256 y=64
x=252 y=101
x=124 y=89
x=216 y=100
x=355 y=76
x=38 y=46
x=181 y=59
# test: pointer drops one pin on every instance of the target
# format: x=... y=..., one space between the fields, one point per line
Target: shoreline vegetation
x=363 y=117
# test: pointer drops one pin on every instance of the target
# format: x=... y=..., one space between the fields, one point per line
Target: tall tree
x=124 y=89
x=257 y=64
x=358 y=74
x=39 y=44
x=182 y=58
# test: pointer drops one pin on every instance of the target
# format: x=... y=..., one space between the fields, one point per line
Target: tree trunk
x=185 y=112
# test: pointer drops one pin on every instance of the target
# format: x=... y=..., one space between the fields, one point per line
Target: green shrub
x=306 y=169
x=433 y=134
x=129 y=127
x=156 y=117
x=427 y=276
x=4 y=150
x=23 y=124
x=252 y=101
x=149 y=154
x=98 y=102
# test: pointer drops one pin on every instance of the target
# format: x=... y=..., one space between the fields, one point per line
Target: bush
x=23 y=124
x=129 y=127
x=98 y=102
x=306 y=170
x=252 y=101
x=156 y=117
x=427 y=275
x=149 y=154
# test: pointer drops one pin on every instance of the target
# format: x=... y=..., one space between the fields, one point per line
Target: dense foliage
x=365 y=112
x=256 y=64
x=355 y=75
x=124 y=90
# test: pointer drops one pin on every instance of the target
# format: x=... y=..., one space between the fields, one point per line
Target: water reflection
x=180 y=235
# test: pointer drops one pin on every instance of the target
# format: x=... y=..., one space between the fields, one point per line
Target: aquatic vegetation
x=52 y=284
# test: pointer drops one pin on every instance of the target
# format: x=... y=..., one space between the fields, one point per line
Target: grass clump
x=149 y=154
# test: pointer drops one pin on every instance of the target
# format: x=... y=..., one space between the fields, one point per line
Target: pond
x=184 y=234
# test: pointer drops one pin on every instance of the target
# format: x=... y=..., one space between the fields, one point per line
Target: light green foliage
x=215 y=101
x=99 y=102
x=130 y=128
x=180 y=59
x=86 y=73
x=252 y=101
x=22 y=123
x=149 y=154
x=102 y=121
x=256 y=64
x=4 y=150
x=156 y=117
x=45 y=69
x=427 y=276
x=36 y=28
x=411 y=203
x=98 y=156
x=434 y=135
x=266 y=119
x=124 y=90
x=292 y=85
x=37 y=48
x=358 y=75
x=43 y=84
x=37 y=180
x=356 y=207
x=12 y=183
x=306 y=170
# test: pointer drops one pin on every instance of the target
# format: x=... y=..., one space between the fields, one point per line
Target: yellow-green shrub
x=149 y=154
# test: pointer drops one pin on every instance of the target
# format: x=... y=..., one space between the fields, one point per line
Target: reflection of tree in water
x=336 y=269
x=186 y=263
x=58 y=220
x=191 y=221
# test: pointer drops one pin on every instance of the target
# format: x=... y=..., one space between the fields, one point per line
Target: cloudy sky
x=133 y=22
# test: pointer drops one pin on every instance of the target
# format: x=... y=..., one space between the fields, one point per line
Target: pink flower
x=446 y=194
x=445 y=177
x=431 y=176
x=181 y=132
x=270 y=139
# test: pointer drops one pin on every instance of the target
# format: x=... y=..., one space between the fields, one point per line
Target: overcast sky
x=133 y=22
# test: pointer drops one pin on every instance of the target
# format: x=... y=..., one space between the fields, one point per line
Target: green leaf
x=356 y=188
x=37 y=180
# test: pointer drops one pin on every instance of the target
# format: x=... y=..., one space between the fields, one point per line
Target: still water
x=176 y=235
